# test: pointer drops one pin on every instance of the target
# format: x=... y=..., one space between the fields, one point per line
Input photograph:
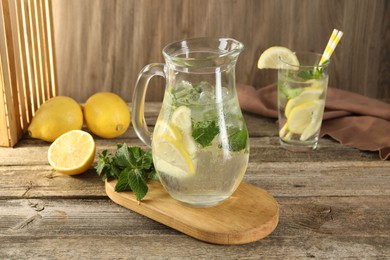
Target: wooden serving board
x=248 y=215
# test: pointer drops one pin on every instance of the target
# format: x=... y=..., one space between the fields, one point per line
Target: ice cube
x=206 y=97
x=225 y=92
x=206 y=87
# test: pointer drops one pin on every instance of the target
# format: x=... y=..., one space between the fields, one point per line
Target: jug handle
x=138 y=101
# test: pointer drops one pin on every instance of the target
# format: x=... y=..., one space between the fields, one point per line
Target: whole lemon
x=55 y=117
x=106 y=114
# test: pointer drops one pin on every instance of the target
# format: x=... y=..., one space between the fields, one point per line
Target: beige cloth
x=352 y=119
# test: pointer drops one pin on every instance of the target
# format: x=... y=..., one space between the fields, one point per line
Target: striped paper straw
x=331 y=46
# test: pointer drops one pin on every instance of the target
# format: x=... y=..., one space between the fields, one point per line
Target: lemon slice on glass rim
x=270 y=58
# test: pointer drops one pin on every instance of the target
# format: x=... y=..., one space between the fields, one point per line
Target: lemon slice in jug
x=169 y=152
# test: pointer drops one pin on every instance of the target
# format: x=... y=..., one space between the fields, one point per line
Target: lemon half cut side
x=72 y=153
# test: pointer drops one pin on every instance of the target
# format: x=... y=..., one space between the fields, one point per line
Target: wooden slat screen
x=27 y=66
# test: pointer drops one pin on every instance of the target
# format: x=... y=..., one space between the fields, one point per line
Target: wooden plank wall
x=102 y=45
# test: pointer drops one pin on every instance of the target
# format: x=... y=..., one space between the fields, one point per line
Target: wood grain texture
x=27 y=64
x=237 y=220
x=102 y=45
x=321 y=227
x=334 y=203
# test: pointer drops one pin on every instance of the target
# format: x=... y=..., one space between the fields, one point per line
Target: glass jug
x=200 y=142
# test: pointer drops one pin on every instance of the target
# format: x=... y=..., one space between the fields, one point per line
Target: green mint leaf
x=315 y=73
x=289 y=93
x=305 y=74
x=325 y=63
x=129 y=157
x=104 y=167
x=131 y=166
x=138 y=183
x=103 y=163
x=237 y=141
x=147 y=161
x=123 y=181
x=152 y=175
x=115 y=171
x=204 y=132
x=135 y=156
x=122 y=156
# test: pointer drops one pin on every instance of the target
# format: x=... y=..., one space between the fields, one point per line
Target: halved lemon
x=308 y=94
x=306 y=118
x=72 y=153
x=270 y=58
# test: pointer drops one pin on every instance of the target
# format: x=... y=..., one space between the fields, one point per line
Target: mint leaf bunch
x=131 y=166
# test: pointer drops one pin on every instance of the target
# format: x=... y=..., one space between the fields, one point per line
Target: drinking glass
x=301 y=101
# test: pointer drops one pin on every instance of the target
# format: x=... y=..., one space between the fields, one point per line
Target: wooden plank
x=384 y=78
x=101 y=46
x=4 y=134
x=342 y=178
x=26 y=87
x=330 y=170
x=36 y=17
x=49 y=41
x=173 y=246
x=21 y=93
x=9 y=83
x=326 y=227
x=264 y=149
x=45 y=49
x=33 y=49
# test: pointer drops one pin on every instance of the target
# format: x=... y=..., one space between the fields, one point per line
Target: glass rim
x=173 y=49
x=306 y=53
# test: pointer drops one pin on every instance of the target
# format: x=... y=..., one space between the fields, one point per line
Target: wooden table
x=334 y=203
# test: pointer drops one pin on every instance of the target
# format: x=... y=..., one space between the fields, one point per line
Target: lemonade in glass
x=302 y=85
x=301 y=101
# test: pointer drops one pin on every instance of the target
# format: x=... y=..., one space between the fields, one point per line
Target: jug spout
x=202 y=55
